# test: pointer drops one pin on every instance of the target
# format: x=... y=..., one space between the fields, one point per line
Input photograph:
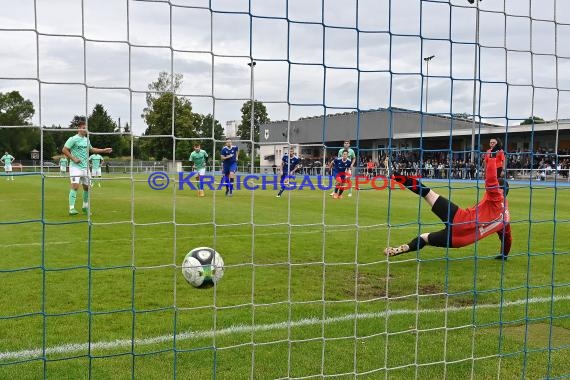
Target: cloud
x=317 y=58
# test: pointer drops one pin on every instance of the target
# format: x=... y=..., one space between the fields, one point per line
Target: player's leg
x=98 y=174
x=282 y=181
x=336 y=186
x=341 y=185
x=86 y=181
x=444 y=209
x=233 y=170
x=201 y=174
x=417 y=187
x=226 y=178
x=75 y=177
x=441 y=238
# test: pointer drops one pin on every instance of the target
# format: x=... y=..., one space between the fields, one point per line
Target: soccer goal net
x=221 y=124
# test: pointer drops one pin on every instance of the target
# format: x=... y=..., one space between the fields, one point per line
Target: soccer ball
x=203 y=267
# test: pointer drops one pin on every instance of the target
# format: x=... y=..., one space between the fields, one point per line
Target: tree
x=533 y=120
x=259 y=117
x=165 y=83
x=204 y=126
x=158 y=118
x=59 y=136
x=16 y=111
x=100 y=121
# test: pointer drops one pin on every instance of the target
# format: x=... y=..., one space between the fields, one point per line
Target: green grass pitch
x=306 y=291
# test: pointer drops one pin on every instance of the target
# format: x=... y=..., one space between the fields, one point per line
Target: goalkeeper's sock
x=414 y=185
x=417 y=243
x=72 y=196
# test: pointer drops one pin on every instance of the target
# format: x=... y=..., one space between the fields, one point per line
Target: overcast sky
x=524 y=65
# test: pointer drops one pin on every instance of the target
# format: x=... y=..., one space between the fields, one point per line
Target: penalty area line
x=238 y=329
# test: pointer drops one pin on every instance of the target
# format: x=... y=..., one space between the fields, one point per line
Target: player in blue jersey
x=289 y=165
x=229 y=155
x=339 y=167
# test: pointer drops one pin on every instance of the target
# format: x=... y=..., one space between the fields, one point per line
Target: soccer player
x=77 y=149
x=199 y=157
x=339 y=167
x=501 y=162
x=96 y=163
x=464 y=226
x=7 y=159
x=371 y=166
x=63 y=165
x=289 y=165
x=229 y=157
x=351 y=157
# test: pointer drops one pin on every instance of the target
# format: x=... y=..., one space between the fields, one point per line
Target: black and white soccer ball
x=203 y=267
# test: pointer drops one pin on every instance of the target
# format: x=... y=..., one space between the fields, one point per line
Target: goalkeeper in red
x=464 y=226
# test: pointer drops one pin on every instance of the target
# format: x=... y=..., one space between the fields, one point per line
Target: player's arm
x=100 y=150
x=506 y=238
x=491 y=181
x=68 y=154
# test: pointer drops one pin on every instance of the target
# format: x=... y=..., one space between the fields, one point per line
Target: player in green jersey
x=96 y=163
x=199 y=158
x=7 y=159
x=77 y=149
x=63 y=165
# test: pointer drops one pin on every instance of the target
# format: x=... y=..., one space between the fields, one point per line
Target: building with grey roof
x=373 y=132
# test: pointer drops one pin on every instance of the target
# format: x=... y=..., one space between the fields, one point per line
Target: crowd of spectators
x=539 y=164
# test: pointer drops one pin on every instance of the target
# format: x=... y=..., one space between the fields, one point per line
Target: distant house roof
x=383 y=123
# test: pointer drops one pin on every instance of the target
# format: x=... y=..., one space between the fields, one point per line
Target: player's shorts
x=96 y=172
x=80 y=176
x=230 y=168
x=8 y=168
x=63 y=169
x=446 y=211
x=340 y=178
x=201 y=172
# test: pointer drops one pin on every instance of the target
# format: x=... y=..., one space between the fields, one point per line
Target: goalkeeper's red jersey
x=489 y=216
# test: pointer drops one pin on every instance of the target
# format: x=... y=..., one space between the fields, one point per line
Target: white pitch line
x=48 y=243
x=237 y=329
